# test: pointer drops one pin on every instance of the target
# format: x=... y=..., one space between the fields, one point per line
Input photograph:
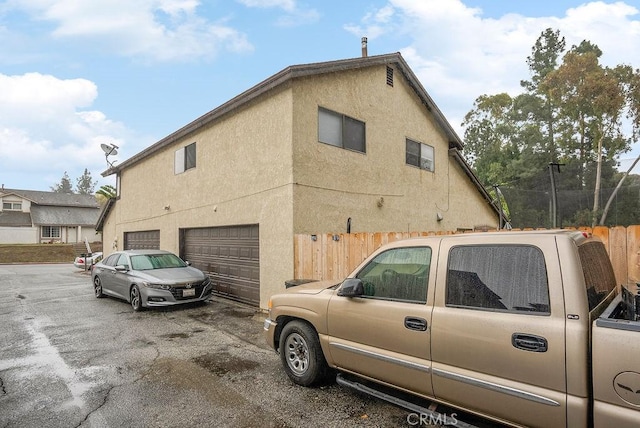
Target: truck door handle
x=529 y=342
x=414 y=323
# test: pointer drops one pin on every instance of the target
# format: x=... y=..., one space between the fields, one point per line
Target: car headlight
x=156 y=286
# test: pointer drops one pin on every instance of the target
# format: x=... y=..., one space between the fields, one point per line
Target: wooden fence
x=334 y=256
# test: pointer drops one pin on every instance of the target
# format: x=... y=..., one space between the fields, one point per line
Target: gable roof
x=315 y=69
x=64 y=216
x=52 y=198
x=288 y=74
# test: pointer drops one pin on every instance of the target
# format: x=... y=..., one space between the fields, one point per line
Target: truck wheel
x=302 y=355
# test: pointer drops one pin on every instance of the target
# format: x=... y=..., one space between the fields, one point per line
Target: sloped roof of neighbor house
x=15 y=219
x=54 y=198
x=52 y=209
x=64 y=216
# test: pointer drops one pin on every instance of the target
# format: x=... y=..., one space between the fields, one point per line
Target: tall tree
x=64 y=186
x=570 y=113
x=539 y=107
x=592 y=97
x=85 y=184
x=631 y=84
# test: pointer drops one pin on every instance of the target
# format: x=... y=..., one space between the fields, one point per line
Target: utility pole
x=495 y=186
x=554 y=194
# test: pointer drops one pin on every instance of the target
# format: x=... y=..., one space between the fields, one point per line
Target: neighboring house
x=32 y=217
x=343 y=146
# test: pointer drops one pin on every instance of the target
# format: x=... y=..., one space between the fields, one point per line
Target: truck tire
x=302 y=355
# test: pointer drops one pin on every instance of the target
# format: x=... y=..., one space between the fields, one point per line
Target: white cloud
x=45 y=129
x=150 y=30
x=288 y=5
x=295 y=15
x=459 y=55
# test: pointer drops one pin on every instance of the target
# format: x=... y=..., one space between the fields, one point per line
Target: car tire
x=97 y=287
x=301 y=354
x=135 y=298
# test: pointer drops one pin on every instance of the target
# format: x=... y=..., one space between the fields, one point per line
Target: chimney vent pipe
x=364 y=47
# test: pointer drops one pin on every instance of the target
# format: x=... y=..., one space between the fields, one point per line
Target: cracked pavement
x=68 y=359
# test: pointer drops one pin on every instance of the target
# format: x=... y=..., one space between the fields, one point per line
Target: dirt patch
x=223 y=363
x=36 y=253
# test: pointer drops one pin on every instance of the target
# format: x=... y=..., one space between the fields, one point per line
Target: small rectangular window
x=51 y=231
x=185 y=158
x=504 y=278
x=341 y=131
x=190 y=156
x=420 y=155
x=12 y=206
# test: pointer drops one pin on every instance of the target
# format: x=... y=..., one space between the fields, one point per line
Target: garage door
x=230 y=255
x=144 y=240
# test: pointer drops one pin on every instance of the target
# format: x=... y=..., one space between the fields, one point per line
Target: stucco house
x=33 y=217
x=352 y=145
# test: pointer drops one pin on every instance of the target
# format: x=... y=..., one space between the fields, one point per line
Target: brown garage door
x=144 y=240
x=230 y=255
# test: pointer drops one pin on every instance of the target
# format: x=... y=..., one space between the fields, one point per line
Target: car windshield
x=156 y=261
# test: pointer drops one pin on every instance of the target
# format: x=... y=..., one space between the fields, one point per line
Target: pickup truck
x=518 y=328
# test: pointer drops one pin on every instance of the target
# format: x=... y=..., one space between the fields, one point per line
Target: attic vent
x=389 y=76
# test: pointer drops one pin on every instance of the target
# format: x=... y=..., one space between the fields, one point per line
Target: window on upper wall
x=341 y=131
x=420 y=155
x=50 y=231
x=185 y=158
x=12 y=206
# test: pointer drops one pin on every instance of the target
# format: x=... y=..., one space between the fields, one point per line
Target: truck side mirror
x=351 y=287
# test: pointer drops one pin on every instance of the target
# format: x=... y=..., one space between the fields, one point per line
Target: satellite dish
x=109 y=149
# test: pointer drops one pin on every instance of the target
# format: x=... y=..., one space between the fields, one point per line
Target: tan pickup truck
x=520 y=328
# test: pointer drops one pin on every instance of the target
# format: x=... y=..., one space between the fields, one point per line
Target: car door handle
x=414 y=323
x=529 y=342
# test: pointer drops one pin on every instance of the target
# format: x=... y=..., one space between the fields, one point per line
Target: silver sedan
x=148 y=278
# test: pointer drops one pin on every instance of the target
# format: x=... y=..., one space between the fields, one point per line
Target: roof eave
x=457 y=156
x=284 y=76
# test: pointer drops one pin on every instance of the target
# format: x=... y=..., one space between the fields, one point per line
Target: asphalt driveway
x=68 y=359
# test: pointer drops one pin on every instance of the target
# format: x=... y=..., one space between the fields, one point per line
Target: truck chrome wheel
x=297 y=353
x=301 y=354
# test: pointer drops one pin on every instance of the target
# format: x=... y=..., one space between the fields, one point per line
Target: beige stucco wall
x=377 y=190
x=242 y=176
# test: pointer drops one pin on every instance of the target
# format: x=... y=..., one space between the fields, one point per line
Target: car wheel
x=136 y=300
x=302 y=355
x=97 y=287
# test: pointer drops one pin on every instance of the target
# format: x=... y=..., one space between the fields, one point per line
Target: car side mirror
x=121 y=268
x=351 y=287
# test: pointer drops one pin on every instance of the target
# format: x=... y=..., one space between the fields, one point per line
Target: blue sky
x=75 y=74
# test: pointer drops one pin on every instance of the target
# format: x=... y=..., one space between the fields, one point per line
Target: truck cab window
x=398 y=274
x=509 y=278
